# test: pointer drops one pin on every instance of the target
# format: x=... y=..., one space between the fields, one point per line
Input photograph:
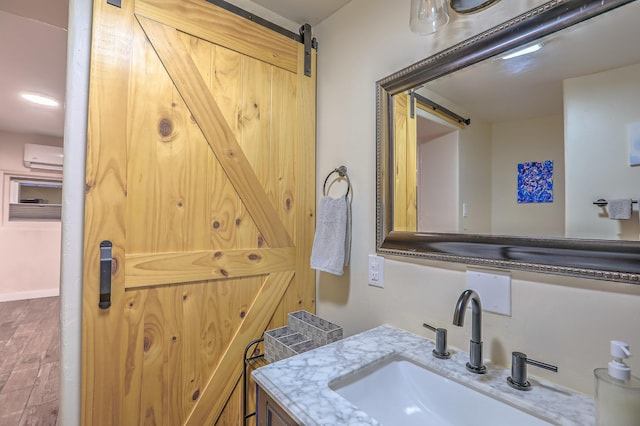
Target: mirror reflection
x=549 y=133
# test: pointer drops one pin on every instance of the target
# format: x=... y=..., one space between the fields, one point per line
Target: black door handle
x=105 y=274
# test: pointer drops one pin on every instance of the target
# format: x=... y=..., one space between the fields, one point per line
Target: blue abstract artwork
x=535 y=182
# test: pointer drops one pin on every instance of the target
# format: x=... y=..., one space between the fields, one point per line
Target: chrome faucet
x=475 y=346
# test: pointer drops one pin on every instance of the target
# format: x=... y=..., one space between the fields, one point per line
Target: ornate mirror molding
x=603 y=259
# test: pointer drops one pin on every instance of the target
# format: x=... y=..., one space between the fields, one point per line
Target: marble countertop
x=300 y=384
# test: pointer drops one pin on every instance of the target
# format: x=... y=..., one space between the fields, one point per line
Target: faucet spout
x=475 y=364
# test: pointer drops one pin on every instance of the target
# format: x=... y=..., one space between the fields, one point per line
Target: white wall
x=521 y=141
x=29 y=251
x=564 y=321
x=438 y=184
x=475 y=177
x=75 y=130
x=598 y=109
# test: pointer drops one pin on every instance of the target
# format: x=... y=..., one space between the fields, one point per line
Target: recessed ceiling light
x=526 y=50
x=40 y=99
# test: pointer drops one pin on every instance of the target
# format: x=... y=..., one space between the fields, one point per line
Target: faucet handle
x=441 y=342
x=518 y=379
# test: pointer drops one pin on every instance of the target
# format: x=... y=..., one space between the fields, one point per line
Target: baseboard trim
x=35 y=294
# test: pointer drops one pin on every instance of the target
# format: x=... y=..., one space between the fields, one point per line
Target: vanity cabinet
x=270 y=413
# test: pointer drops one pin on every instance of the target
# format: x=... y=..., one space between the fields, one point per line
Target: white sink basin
x=398 y=392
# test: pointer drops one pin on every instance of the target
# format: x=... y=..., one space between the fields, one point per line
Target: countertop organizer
x=303 y=332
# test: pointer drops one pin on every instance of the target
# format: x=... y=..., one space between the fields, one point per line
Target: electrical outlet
x=376 y=271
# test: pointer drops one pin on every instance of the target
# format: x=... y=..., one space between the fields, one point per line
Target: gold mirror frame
x=598 y=259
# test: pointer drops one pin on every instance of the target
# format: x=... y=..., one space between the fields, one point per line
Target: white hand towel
x=329 y=253
x=347 y=239
x=619 y=209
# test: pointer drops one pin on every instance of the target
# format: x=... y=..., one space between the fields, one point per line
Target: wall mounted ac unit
x=43 y=157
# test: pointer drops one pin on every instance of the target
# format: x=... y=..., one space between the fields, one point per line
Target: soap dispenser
x=617 y=397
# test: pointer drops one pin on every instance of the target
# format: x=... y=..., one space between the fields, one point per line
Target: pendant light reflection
x=428 y=16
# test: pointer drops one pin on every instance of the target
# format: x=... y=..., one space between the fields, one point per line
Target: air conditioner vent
x=43 y=157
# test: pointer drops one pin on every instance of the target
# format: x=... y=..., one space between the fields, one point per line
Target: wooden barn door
x=201 y=173
x=405 y=146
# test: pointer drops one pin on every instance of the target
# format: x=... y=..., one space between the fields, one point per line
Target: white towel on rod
x=332 y=242
x=347 y=239
x=620 y=208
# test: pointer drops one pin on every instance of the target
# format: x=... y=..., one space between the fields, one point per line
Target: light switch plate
x=376 y=271
x=494 y=289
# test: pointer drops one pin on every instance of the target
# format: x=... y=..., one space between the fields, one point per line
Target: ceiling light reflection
x=412 y=410
x=40 y=99
x=525 y=51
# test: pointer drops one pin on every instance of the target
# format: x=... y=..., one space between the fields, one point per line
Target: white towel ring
x=342 y=172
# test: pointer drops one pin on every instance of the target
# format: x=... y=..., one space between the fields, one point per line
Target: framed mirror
x=490 y=156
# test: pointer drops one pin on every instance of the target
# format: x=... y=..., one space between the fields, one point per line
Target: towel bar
x=601 y=202
x=342 y=172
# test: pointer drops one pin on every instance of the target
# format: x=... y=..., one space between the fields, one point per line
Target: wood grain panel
x=134 y=309
x=211 y=23
x=234 y=299
x=167 y=268
x=176 y=344
x=255 y=120
x=196 y=369
x=229 y=369
x=154 y=405
x=283 y=141
x=142 y=206
x=102 y=377
x=411 y=183
x=305 y=188
x=227 y=69
x=232 y=412
x=405 y=166
x=182 y=356
x=302 y=292
x=400 y=114
x=220 y=68
x=167 y=162
x=232 y=225
x=203 y=107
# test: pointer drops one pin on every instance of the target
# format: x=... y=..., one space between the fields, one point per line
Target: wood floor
x=29 y=362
